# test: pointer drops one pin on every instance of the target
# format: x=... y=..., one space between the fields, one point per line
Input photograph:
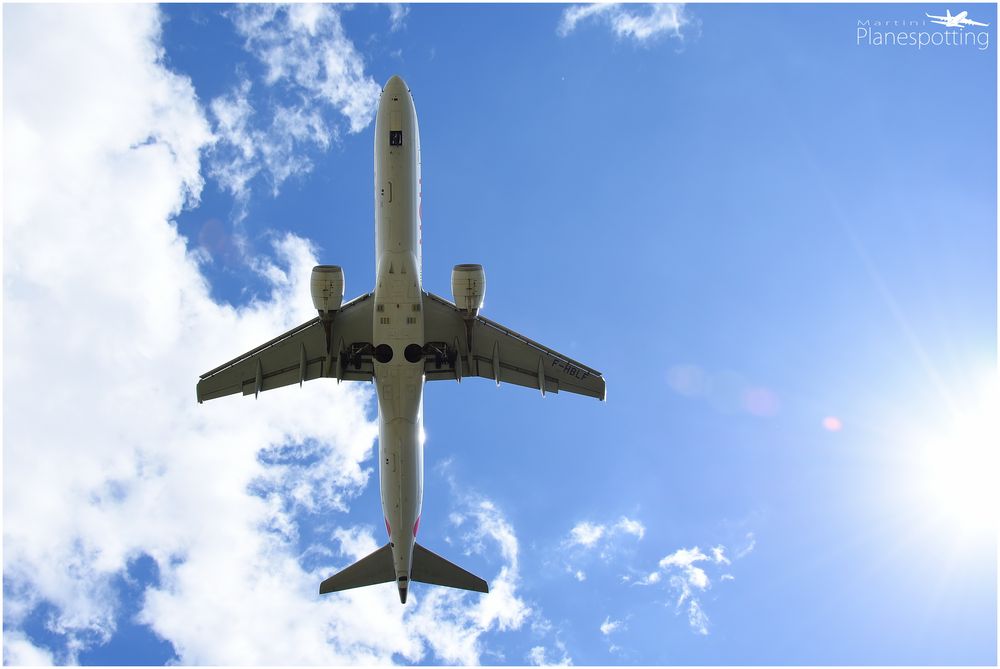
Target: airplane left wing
x=340 y=348
x=458 y=347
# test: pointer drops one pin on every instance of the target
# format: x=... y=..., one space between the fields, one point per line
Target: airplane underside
x=399 y=336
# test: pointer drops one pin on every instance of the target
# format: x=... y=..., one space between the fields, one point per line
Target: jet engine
x=468 y=286
x=327 y=288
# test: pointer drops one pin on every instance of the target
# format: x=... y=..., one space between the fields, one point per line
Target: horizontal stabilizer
x=376 y=568
x=434 y=569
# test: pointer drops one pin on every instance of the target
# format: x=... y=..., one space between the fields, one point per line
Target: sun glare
x=958 y=463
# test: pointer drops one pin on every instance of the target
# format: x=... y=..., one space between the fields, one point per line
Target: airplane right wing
x=459 y=347
x=340 y=348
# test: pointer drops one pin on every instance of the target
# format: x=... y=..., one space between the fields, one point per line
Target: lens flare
x=832 y=424
x=958 y=462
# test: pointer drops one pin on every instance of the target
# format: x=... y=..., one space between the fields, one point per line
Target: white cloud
x=687 y=580
x=609 y=626
x=697 y=618
x=107 y=456
x=397 y=16
x=633 y=527
x=19 y=651
x=244 y=150
x=653 y=21
x=585 y=534
x=651 y=578
x=539 y=656
x=355 y=542
x=501 y=607
x=686 y=572
x=683 y=557
x=588 y=534
x=449 y=624
x=690 y=577
x=305 y=48
x=309 y=58
x=233 y=129
x=587 y=539
x=746 y=550
x=576 y=13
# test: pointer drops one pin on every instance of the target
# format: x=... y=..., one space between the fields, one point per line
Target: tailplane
x=427 y=567
x=431 y=568
x=376 y=568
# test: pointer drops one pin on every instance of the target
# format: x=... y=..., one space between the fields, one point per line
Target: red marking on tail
x=387 y=530
x=415 y=526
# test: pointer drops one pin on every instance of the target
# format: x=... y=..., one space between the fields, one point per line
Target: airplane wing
x=340 y=349
x=457 y=347
x=939 y=18
x=970 y=22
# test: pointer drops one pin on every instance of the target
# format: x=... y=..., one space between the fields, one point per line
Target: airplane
x=400 y=336
x=957 y=21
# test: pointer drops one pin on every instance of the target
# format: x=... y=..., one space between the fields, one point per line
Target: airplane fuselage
x=398 y=327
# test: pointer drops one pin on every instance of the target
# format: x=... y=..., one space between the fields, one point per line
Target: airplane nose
x=395 y=85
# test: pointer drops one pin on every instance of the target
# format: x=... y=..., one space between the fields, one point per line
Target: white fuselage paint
x=398 y=320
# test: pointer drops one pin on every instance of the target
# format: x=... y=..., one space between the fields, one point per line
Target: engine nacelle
x=327 y=288
x=468 y=287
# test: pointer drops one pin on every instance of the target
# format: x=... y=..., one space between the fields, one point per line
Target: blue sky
x=778 y=245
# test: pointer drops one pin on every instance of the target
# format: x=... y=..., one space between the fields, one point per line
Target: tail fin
x=431 y=568
x=375 y=568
